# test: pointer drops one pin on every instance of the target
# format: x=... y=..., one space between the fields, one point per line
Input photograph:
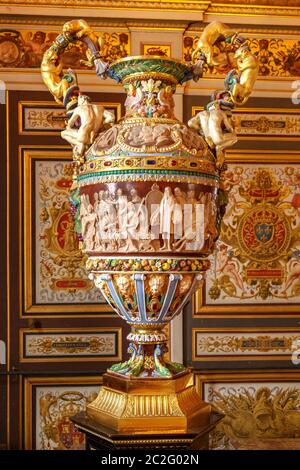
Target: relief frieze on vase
x=147 y=200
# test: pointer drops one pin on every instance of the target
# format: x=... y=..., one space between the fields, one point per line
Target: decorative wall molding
x=118 y=4
x=47 y=117
x=236 y=7
x=71 y=344
x=48 y=404
x=253 y=271
x=49 y=23
x=55 y=278
x=260 y=408
x=242 y=344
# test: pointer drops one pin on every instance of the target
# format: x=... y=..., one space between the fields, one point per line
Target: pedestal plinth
x=99 y=437
x=147 y=405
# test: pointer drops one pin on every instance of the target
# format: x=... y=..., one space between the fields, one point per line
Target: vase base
x=149 y=405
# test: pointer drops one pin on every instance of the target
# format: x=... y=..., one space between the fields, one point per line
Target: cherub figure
x=85 y=124
x=216 y=126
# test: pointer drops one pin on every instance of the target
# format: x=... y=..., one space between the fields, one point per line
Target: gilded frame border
x=26 y=157
x=231 y=376
x=50 y=104
x=82 y=330
x=26 y=404
x=240 y=356
x=200 y=310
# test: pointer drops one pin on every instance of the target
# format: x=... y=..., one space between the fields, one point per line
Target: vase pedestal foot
x=99 y=437
x=147 y=405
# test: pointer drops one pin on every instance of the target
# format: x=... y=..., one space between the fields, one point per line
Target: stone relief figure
x=210 y=228
x=122 y=209
x=89 y=227
x=190 y=139
x=96 y=202
x=166 y=212
x=105 y=140
x=110 y=221
x=158 y=136
x=180 y=199
x=132 y=136
x=123 y=221
x=217 y=128
x=134 y=196
x=191 y=197
x=85 y=201
x=144 y=236
x=152 y=203
x=99 y=203
x=192 y=238
x=85 y=123
x=162 y=136
x=130 y=228
x=108 y=228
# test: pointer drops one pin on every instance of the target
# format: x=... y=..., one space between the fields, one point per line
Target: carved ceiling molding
x=58 y=21
x=257 y=10
x=106 y=24
x=155 y=4
x=236 y=7
x=282 y=30
x=116 y=4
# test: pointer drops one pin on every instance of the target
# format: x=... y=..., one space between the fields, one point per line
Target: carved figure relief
x=160 y=220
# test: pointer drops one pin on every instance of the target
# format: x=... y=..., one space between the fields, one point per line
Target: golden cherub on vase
x=148 y=203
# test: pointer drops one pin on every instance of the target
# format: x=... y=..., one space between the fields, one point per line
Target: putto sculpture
x=148 y=203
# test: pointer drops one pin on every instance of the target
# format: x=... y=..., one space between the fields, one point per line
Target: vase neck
x=150 y=97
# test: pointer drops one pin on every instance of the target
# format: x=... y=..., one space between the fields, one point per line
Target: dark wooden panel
x=56 y=321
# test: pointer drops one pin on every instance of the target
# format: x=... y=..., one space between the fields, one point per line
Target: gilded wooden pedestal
x=99 y=437
x=149 y=405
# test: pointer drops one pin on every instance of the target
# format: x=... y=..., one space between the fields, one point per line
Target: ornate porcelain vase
x=149 y=216
x=148 y=206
